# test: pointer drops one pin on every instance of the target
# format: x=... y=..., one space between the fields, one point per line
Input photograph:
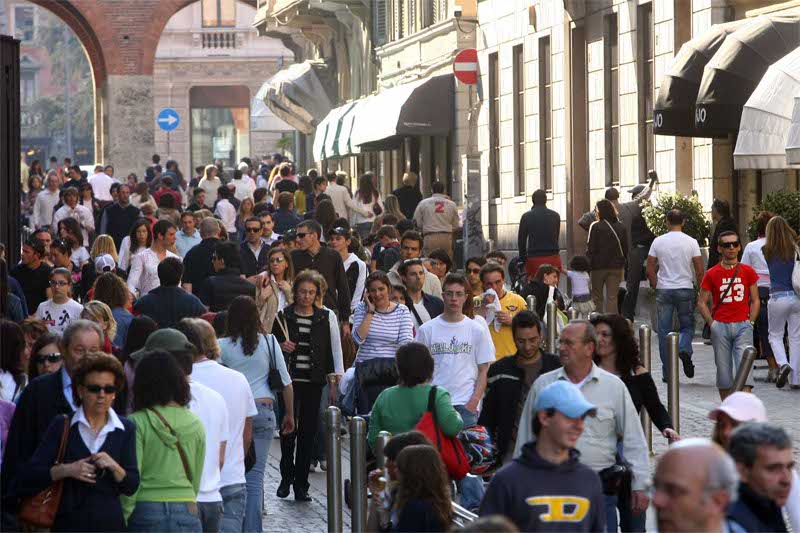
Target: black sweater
x=538 y=233
x=644 y=394
x=329 y=263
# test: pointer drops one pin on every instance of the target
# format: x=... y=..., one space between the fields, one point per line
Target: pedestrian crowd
x=156 y=343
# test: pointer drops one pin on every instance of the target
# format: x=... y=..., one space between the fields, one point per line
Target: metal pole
x=551 y=326
x=572 y=314
x=380 y=444
x=333 y=419
x=532 y=303
x=645 y=355
x=673 y=399
x=358 y=473
x=593 y=315
x=748 y=358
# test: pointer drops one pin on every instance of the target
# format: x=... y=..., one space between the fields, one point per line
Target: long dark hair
x=44 y=340
x=159 y=380
x=423 y=477
x=325 y=214
x=12 y=340
x=606 y=211
x=366 y=192
x=627 y=360
x=73 y=228
x=243 y=322
x=134 y=244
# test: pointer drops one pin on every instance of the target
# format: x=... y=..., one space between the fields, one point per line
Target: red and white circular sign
x=465 y=66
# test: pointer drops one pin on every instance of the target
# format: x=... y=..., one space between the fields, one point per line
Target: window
x=611 y=96
x=518 y=90
x=545 y=116
x=428 y=17
x=27 y=86
x=379 y=22
x=23 y=23
x=399 y=19
x=217 y=13
x=494 y=126
x=412 y=17
x=647 y=151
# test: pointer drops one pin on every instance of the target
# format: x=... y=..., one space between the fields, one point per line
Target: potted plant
x=696 y=224
x=783 y=203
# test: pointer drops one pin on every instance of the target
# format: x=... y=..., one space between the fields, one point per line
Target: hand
x=288 y=425
x=472 y=406
x=288 y=346
x=103 y=460
x=639 y=501
x=284 y=286
x=373 y=481
x=671 y=435
x=370 y=305
x=503 y=317
x=711 y=324
x=82 y=470
x=332 y=395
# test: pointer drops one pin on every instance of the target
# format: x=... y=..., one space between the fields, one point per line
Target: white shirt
x=363 y=213
x=358 y=291
x=95 y=442
x=58 y=316
x=341 y=200
x=243 y=188
x=754 y=257
x=144 y=271
x=674 y=251
x=238 y=397
x=227 y=213
x=83 y=215
x=43 y=208
x=271 y=239
x=8 y=387
x=101 y=185
x=210 y=407
x=124 y=262
x=457 y=349
x=581 y=283
x=79 y=255
x=423 y=313
x=210 y=186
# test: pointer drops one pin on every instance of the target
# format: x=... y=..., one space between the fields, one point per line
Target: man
x=198 y=200
x=267 y=226
x=46 y=238
x=693 y=487
x=342 y=201
x=171 y=171
x=616 y=423
x=547 y=488
x=764 y=459
x=721 y=217
x=641 y=238
x=537 y=238
x=669 y=270
x=46 y=200
x=197 y=262
x=79 y=212
x=310 y=254
x=253 y=250
x=509 y=381
x=167 y=188
x=75 y=180
x=144 y=265
x=188 y=237
x=734 y=290
x=626 y=211
x=285 y=217
x=150 y=172
x=423 y=306
x=33 y=274
x=118 y=218
x=411 y=248
x=493 y=277
x=168 y=304
x=218 y=291
x=60 y=310
x=101 y=186
x=408 y=195
x=437 y=218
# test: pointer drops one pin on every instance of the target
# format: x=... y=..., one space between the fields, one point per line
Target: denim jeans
x=611 y=512
x=471 y=487
x=263 y=428
x=469 y=418
x=233 y=505
x=669 y=302
x=165 y=516
x=729 y=339
x=210 y=516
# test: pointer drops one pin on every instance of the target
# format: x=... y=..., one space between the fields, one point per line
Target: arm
x=247 y=432
x=136 y=273
x=222 y=446
x=755 y=302
x=702 y=305
x=652 y=271
x=336 y=344
x=487 y=417
x=358 y=293
x=405 y=333
x=522 y=238
x=342 y=290
x=480 y=387
x=288 y=403
x=362 y=321
x=633 y=443
x=448 y=418
x=87 y=218
x=699 y=271
x=658 y=413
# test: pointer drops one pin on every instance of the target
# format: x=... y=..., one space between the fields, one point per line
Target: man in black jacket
x=119 y=216
x=218 y=291
x=510 y=379
x=197 y=263
x=168 y=303
x=423 y=306
x=721 y=215
x=254 y=251
x=538 y=235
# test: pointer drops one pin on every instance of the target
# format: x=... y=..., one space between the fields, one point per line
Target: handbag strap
x=62 y=447
x=280 y=318
x=619 y=243
x=727 y=290
x=177 y=442
x=272 y=365
x=432 y=409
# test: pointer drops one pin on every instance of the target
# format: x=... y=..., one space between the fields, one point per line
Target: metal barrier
x=746 y=365
x=380 y=444
x=572 y=314
x=532 y=303
x=550 y=312
x=673 y=380
x=333 y=421
x=461 y=516
x=358 y=473
x=645 y=356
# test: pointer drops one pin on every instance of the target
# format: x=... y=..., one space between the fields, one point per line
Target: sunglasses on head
x=95 y=389
x=729 y=244
x=49 y=357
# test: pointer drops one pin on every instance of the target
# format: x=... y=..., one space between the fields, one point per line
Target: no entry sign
x=465 y=66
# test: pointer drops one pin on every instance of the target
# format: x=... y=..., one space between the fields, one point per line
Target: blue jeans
x=233 y=505
x=611 y=512
x=471 y=487
x=263 y=428
x=469 y=418
x=668 y=302
x=729 y=339
x=165 y=516
x=210 y=516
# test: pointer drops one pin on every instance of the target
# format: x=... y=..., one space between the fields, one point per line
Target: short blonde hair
x=207 y=335
x=97 y=311
x=104 y=244
x=410 y=178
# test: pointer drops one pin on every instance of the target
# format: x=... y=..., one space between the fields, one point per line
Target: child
x=578 y=274
x=390 y=244
x=60 y=310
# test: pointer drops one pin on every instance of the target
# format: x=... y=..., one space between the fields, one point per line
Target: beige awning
x=298 y=95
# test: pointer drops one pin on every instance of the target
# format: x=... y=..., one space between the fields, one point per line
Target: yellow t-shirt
x=504 y=339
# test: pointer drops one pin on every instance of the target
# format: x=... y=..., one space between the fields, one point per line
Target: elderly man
x=616 y=418
x=694 y=483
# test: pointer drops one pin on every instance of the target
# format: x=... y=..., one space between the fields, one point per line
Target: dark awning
x=735 y=70
x=673 y=111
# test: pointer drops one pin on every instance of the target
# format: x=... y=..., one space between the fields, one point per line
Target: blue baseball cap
x=565 y=398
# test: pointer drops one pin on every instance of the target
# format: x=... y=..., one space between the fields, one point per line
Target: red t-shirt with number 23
x=736 y=305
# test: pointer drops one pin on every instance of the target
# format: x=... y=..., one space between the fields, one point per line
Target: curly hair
x=111 y=290
x=627 y=360
x=159 y=380
x=243 y=322
x=423 y=477
x=96 y=362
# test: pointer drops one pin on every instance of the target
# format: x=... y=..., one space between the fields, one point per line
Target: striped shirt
x=302 y=353
x=387 y=332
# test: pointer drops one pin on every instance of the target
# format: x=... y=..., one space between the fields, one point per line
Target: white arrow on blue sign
x=168 y=119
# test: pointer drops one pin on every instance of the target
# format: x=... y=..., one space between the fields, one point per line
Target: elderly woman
x=99 y=461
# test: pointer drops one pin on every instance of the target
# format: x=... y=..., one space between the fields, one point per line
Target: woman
x=210 y=183
x=441 y=263
x=45 y=356
x=422 y=501
x=309 y=337
x=13 y=362
x=99 y=461
x=99 y=313
x=780 y=250
x=544 y=287
x=304 y=195
x=142 y=196
x=244 y=213
x=248 y=350
x=618 y=353
x=34 y=188
x=368 y=200
x=274 y=286
x=391 y=208
x=325 y=214
x=139 y=238
x=170 y=476
x=472 y=269
x=140 y=329
x=340 y=239
x=69 y=230
x=87 y=200
x=132 y=181
x=102 y=245
x=168 y=209
x=112 y=291
x=60 y=255
x=607 y=250
x=32 y=329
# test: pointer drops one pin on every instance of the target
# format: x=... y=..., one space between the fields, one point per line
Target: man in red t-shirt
x=731 y=320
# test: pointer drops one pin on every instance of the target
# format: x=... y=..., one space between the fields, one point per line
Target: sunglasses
x=252 y=230
x=729 y=244
x=95 y=389
x=59 y=283
x=301 y=235
x=474 y=270
x=277 y=260
x=49 y=357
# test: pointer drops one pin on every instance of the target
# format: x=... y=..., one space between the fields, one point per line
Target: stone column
x=129 y=122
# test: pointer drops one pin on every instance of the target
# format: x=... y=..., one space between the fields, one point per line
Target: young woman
x=367 y=199
x=100 y=314
x=140 y=238
x=303 y=196
x=309 y=337
x=441 y=263
x=340 y=239
x=422 y=501
x=110 y=289
x=60 y=310
x=391 y=208
x=60 y=253
x=87 y=200
x=142 y=196
x=69 y=230
x=244 y=213
x=325 y=214
x=45 y=356
x=607 y=250
x=274 y=286
x=12 y=361
x=210 y=183
x=544 y=286
x=102 y=245
x=132 y=181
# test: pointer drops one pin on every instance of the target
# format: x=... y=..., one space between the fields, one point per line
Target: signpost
x=465 y=66
x=168 y=119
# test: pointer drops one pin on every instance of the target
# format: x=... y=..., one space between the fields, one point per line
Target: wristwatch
x=371 y=312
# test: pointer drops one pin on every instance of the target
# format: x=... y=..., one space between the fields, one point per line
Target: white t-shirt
x=235 y=390
x=58 y=316
x=209 y=406
x=457 y=349
x=423 y=313
x=754 y=257
x=79 y=256
x=101 y=186
x=580 y=283
x=674 y=251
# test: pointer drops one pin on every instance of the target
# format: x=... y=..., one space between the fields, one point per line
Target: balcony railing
x=218 y=40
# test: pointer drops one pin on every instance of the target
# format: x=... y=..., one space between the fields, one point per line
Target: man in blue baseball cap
x=546 y=488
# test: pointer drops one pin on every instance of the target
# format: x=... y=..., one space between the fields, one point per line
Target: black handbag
x=615 y=476
x=274 y=379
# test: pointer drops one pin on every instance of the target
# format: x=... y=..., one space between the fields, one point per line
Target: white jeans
x=783 y=309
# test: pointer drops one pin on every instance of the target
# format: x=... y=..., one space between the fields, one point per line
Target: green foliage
x=783 y=203
x=655 y=212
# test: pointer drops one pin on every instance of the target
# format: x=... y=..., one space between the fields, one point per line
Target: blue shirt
x=780 y=275
x=255 y=366
x=184 y=243
x=123 y=319
x=66 y=380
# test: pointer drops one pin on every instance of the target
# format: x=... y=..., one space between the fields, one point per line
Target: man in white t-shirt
x=670 y=265
x=59 y=311
x=101 y=185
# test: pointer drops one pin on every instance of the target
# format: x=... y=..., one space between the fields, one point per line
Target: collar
x=187 y=235
x=257 y=250
x=594 y=375
x=112 y=423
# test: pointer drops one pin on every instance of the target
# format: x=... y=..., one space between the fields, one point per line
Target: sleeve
x=484 y=349
x=487 y=417
x=87 y=218
x=204 y=292
x=128 y=501
x=358 y=318
x=524 y=430
x=136 y=273
x=707 y=283
x=752 y=277
x=746 y=259
x=280 y=360
x=34 y=476
x=224 y=421
x=336 y=343
x=419 y=215
x=454 y=220
x=130 y=483
x=124 y=252
x=435 y=286
x=104 y=222
x=198 y=309
x=423 y=336
x=358 y=293
x=658 y=413
x=634 y=447
x=448 y=418
x=342 y=290
x=653 y=252
x=591 y=241
x=522 y=238
x=405 y=333
x=695 y=248
x=586 y=220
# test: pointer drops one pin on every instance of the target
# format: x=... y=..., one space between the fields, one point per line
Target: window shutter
x=379 y=22
x=412 y=17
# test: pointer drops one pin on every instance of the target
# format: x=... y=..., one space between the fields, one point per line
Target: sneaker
x=312 y=467
x=688 y=366
x=783 y=376
x=323 y=465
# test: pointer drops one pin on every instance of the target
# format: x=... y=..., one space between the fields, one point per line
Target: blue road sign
x=168 y=119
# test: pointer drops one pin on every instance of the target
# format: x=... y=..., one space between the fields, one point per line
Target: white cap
x=742 y=407
x=104 y=263
x=244 y=167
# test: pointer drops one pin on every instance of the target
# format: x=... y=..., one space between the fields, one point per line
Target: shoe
x=772 y=375
x=348 y=493
x=323 y=465
x=312 y=467
x=283 y=489
x=301 y=495
x=783 y=376
x=688 y=366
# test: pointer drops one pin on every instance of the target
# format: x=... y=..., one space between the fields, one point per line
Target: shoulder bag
x=40 y=510
x=707 y=328
x=177 y=444
x=274 y=379
x=619 y=243
x=450 y=448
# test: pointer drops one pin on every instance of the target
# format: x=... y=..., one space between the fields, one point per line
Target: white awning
x=761 y=143
x=263 y=119
x=326 y=140
x=793 y=137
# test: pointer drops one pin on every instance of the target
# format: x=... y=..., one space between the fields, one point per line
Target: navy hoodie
x=541 y=496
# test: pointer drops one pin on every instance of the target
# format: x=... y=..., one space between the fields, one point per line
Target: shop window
x=218 y=13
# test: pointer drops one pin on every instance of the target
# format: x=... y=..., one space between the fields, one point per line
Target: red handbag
x=450 y=448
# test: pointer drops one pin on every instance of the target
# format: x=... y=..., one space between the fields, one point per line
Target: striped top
x=302 y=353
x=387 y=332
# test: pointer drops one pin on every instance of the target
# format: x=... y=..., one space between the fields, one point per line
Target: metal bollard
x=380 y=444
x=550 y=312
x=645 y=356
x=593 y=315
x=572 y=314
x=748 y=358
x=673 y=398
x=333 y=419
x=532 y=303
x=358 y=473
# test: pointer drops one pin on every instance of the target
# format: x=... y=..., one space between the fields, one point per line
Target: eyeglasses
x=49 y=357
x=729 y=244
x=474 y=270
x=454 y=294
x=252 y=230
x=301 y=235
x=276 y=260
x=95 y=389
x=58 y=283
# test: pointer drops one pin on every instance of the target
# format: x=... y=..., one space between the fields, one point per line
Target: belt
x=781 y=294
